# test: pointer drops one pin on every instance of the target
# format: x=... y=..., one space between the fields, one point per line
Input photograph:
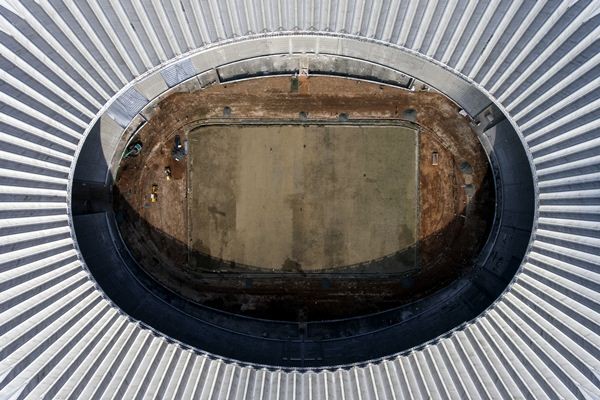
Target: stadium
x=299 y=199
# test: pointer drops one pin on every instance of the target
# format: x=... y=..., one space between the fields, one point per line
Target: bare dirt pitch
x=455 y=199
x=303 y=197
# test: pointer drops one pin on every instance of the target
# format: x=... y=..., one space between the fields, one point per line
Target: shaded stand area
x=294 y=344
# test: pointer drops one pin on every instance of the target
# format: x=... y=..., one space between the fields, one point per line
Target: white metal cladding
x=61 y=62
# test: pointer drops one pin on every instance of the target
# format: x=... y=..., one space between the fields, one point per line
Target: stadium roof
x=64 y=65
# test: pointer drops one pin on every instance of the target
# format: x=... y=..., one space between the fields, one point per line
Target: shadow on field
x=294 y=295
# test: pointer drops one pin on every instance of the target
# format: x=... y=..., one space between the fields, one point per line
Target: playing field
x=294 y=197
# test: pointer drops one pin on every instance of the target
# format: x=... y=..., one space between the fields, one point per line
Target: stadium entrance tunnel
x=302 y=209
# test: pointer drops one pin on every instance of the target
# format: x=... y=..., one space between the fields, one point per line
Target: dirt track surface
x=455 y=198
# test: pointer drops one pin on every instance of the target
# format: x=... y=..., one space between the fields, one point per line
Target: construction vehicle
x=179 y=150
x=168 y=173
x=154 y=194
x=133 y=150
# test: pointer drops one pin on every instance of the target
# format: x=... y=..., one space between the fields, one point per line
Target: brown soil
x=456 y=198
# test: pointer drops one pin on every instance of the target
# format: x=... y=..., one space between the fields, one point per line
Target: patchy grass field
x=304 y=197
